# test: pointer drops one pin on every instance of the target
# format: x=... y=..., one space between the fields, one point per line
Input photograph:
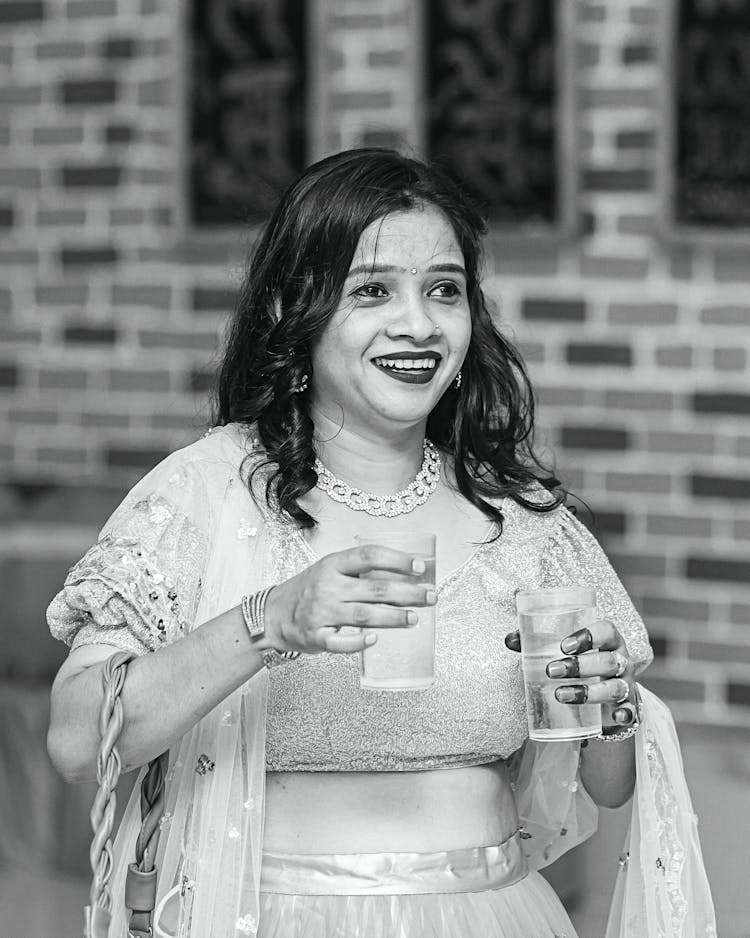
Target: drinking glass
x=545 y=617
x=403 y=658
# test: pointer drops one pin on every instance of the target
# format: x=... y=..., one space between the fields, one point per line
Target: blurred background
x=141 y=142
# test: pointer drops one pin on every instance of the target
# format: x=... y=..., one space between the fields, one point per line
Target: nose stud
x=414 y=271
x=435 y=329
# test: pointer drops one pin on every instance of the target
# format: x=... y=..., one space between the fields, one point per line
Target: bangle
x=253 y=612
x=625 y=733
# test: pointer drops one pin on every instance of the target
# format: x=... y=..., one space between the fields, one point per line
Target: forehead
x=417 y=236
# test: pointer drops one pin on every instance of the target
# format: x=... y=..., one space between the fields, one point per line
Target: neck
x=369 y=461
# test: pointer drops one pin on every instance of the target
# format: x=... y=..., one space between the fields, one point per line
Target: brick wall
x=110 y=313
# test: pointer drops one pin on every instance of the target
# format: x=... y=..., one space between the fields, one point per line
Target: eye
x=446 y=290
x=370 y=291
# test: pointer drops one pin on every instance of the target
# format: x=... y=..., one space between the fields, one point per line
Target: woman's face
x=401 y=329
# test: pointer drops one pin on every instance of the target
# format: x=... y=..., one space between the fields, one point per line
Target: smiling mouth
x=409 y=370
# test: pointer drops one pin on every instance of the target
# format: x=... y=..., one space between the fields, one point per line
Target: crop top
x=139 y=588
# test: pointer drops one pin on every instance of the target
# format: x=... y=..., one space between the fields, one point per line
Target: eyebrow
x=392 y=269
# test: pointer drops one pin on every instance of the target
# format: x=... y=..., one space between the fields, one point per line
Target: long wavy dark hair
x=292 y=288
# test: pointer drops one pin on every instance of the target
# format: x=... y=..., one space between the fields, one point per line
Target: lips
x=409 y=367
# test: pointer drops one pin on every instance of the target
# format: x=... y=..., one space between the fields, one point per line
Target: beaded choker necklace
x=388 y=506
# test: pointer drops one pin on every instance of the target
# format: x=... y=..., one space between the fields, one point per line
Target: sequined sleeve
x=138 y=587
x=574 y=556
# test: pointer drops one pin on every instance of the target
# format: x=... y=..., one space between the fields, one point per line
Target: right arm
x=167 y=692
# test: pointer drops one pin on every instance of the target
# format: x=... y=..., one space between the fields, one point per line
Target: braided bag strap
x=140 y=886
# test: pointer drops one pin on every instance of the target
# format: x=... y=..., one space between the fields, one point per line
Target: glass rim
x=556 y=591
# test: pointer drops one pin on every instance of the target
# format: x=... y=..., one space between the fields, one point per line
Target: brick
x=616 y=180
x=362 y=100
x=6 y=300
x=105 y=255
x=732 y=264
x=34 y=416
x=20 y=95
x=594 y=438
x=730 y=359
x=738 y=693
x=639 y=400
x=635 y=139
x=119 y=47
x=664 y=441
x=81 y=334
x=62 y=294
x=532 y=352
x=681 y=261
x=154 y=93
x=673 y=688
x=643 y=16
x=659 y=645
x=91 y=92
x=598 y=353
x=638 y=54
x=636 y=224
x=739 y=613
x=592 y=12
x=364 y=20
x=671 y=607
x=212 y=298
x=741 y=530
x=61 y=217
x=60 y=49
x=626 y=268
x=587 y=224
x=7 y=216
x=641 y=482
x=20 y=177
x=721 y=402
x=200 y=381
x=182 y=341
x=643 y=313
x=606 y=522
x=587 y=54
x=119 y=133
x=86 y=9
x=21 y=11
x=711 y=486
x=535 y=309
x=57 y=456
x=638 y=564
x=63 y=378
x=93 y=418
x=131 y=379
x=674 y=356
x=385 y=58
x=133 y=215
x=724 y=652
x=9 y=375
x=615 y=98
x=58 y=135
x=556 y=396
x=132 y=457
x=154 y=296
x=723 y=569
x=15 y=257
x=90 y=177
x=726 y=315
x=524 y=257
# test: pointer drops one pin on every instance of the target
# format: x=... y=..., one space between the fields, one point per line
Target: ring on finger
x=621 y=663
x=625 y=691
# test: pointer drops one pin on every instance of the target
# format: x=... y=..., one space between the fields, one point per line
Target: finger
x=358 y=560
x=600 y=634
x=347 y=641
x=391 y=592
x=513 y=641
x=589 y=664
x=611 y=691
x=376 y=616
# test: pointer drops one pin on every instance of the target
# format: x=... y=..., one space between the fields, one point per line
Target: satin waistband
x=470 y=869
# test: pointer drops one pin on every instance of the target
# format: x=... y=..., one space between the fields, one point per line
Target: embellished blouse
x=139 y=587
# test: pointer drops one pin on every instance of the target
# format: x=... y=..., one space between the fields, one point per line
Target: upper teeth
x=406 y=362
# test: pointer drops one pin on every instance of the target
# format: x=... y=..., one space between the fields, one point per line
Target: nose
x=411 y=318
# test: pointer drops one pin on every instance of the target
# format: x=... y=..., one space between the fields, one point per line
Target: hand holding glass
x=545 y=618
x=403 y=658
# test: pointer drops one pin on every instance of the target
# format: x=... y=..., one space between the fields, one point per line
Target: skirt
x=482 y=891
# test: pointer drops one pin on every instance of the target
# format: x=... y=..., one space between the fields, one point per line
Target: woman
x=299 y=804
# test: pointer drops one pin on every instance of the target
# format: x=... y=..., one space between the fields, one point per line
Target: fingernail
x=566 y=694
x=513 y=641
x=557 y=669
x=569 y=644
x=418 y=566
x=370 y=639
x=430 y=597
x=411 y=617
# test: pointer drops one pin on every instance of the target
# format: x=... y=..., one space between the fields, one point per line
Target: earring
x=457 y=382
x=302 y=386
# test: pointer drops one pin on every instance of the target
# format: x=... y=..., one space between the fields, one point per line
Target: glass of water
x=545 y=618
x=403 y=658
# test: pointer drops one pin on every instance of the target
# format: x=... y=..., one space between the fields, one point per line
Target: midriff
x=374 y=812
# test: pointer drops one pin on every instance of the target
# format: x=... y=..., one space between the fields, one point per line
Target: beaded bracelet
x=625 y=733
